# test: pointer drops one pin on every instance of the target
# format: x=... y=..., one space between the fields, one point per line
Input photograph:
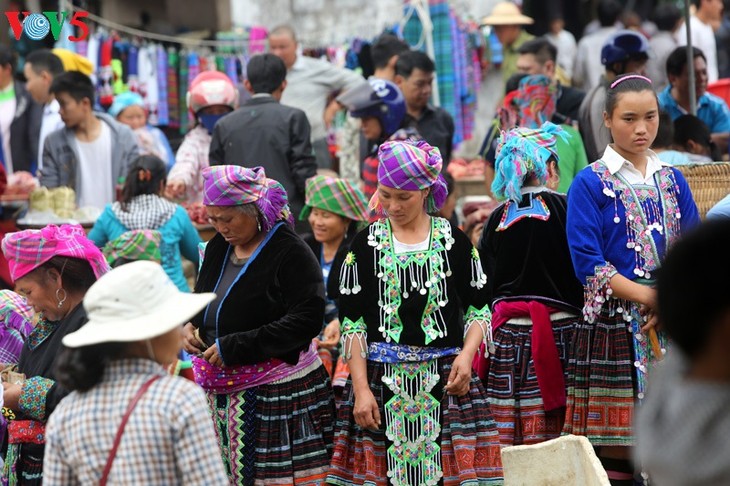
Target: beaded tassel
x=412 y=423
x=349 y=281
x=351 y=331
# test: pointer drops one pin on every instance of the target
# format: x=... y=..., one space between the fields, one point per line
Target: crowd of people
x=344 y=327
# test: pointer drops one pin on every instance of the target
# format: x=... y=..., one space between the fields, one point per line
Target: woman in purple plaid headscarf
x=252 y=346
x=413 y=308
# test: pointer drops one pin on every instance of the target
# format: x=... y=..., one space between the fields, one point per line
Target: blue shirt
x=179 y=236
x=711 y=109
x=598 y=233
x=720 y=210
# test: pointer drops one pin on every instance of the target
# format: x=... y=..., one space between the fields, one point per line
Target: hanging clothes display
x=455 y=73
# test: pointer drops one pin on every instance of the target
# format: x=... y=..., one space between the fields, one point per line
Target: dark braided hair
x=146 y=175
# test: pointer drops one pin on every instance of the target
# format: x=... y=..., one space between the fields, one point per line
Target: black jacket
x=275 y=309
x=265 y=133
x=25 y=131
x=39 y=361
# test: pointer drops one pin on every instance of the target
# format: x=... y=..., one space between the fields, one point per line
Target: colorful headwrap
x=531 y=105
x=125 y=100
x=523 y=152
x=134 y=245
x=17 y=323
x=336 y=196
x=233 y=185
x=29 y=249
x=411 y=166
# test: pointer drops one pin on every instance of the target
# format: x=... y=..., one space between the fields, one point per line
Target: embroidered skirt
x=607 y=373
x=468 y=442
x=512 y=387
x=279 y=433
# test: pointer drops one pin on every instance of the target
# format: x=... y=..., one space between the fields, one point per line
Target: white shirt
x=95 y=169
x=50 y=123
x=703 y=38
x=400 y=247
x=567 y=48
x=588 y=68
x=616 y=163
x=7 y=113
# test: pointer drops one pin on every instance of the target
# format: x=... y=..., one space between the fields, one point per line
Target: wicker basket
x=709 y=183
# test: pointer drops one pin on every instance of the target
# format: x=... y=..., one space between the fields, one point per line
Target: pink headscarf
x=29 y=249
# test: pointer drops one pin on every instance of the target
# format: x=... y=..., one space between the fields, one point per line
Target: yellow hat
x=506 y=13
x=74 y=62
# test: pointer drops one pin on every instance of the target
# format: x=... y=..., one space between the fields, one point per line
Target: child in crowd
x=664 y=142
x=142 y=207
x=381 y=107
x=211 y=96
x=128 y=108
x=683 y=429
x=624 y=211
x=694 y=137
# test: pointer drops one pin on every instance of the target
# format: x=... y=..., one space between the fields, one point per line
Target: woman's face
x=327 y=227
x=133 y=116
x=167 y=346
x=236 y=227
x=371 y=128
x=402 y=206
x=633 y=123
x=39 y=290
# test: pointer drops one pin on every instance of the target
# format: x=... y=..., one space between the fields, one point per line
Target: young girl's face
x=371 y=128
x=133 y=116
x=634 y=122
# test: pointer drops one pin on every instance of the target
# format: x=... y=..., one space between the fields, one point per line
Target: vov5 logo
x=37 y=26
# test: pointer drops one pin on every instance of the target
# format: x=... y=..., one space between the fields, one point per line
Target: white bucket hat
x=134 y=302
x=507 y=13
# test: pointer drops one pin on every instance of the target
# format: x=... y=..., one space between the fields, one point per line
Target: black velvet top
x=275 y=307
x=525 y=253
x=436 y=285
x=37 y=361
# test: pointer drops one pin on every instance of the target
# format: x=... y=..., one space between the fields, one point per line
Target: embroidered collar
x=533 y=189
x=615 y=162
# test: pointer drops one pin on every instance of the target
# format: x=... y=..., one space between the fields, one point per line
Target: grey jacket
x=61 y=159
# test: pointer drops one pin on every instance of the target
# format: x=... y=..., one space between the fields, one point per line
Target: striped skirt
x=607 y=370
x=512 y=387
x=280 y=433
x=470 y=452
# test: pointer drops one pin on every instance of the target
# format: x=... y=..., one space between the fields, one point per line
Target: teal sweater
x=179 y=237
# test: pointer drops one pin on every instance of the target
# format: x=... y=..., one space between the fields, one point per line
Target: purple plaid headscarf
x=233 y=185
x=411 y=166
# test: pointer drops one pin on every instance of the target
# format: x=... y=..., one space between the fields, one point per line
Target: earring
x=61 y=300
x=258 y=224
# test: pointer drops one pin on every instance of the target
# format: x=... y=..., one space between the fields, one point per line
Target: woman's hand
x=11 y=395
x=366 y=412
x=460 y=376
x=331 y=335
x=191 y=343
x=174 y=189
x=651 y=320
x=213 y=356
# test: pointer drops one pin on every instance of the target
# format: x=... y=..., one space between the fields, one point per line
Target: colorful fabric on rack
x=173 y=95
x=133 y=69
x=230 y=69
x=106 y=91
x=152 y=99
x=194 y=69
x=184 y=83
x=163 y=116
x=257 y=40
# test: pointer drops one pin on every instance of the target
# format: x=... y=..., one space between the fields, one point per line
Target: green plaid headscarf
x=134 y=245
x=336 y=196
